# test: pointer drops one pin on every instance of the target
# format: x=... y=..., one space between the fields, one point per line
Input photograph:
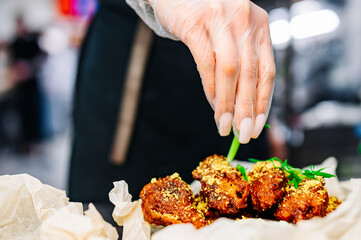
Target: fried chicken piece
x=310 y=199
x=223 y=186
x=333 y=203
x=200 y=203
x=169 y=201
x=268 y=185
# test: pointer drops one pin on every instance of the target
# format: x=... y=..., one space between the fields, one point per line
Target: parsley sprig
x=296 y=175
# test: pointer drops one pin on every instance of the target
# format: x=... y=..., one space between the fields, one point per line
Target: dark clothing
x=174 y=128
x=26 y=93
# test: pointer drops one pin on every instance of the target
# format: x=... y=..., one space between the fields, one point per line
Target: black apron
x=174 y=128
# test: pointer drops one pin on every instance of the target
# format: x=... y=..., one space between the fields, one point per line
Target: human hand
x=230 y=42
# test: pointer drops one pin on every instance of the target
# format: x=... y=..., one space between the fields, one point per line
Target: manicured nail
x=258 y=125
x=245 y=130
x=225 y=124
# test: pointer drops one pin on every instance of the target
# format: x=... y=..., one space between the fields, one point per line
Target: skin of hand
x=231 y=45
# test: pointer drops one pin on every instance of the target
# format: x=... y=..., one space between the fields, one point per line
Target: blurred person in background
x=25 y=61
x=174 y=127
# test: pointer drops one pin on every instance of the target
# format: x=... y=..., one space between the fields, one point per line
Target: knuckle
x=229 y=68
x=263 y=99
x=250 y=74
x=208 y=86
x=215 y=7
x=205 y=65
x=247 y=106
x=270 y=73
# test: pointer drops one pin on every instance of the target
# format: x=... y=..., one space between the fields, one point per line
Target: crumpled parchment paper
x=128 y=214
x=69 y=223
x=342 y=224
x=25 y=202
x=31 y=210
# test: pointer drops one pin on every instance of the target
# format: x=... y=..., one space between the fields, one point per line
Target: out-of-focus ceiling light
x=311 y=24
x=280 y=33
x=279 y=28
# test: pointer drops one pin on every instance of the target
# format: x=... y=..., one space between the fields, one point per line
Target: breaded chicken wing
x=168 y=201
x=308 y=200
x=223 y=186
x=268 y=185
x=200 y=203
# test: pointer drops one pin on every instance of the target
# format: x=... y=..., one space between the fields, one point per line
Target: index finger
x=227 y=70
x=266 y=77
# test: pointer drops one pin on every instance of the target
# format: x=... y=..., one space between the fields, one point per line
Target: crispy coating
x=223 y=186
x=333 y=203
x=168 y=201
x=309 y=200
x=200 y=203
x=268 y=185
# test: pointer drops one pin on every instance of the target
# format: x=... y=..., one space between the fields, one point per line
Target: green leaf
x=233 y=149
x=312 y=173
x=323 y=174
x=294 y=182
x=254 y=160
x=266 y=125
x=296 y=175
x=242 y=170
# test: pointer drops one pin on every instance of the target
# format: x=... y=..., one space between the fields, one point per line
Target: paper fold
x=31 y=210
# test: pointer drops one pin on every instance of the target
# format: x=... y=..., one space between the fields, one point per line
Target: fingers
x=227 y=70
x=246 y=91
x=266 y=76
x=218 y=65
x=235 y=62
x=201 y=49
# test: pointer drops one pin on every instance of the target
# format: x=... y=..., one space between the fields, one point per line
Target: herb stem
x=233 y=150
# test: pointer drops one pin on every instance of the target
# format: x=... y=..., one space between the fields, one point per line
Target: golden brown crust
x=202 y=207
x=333 y=203
x=268 y=185
x=169 y=201
x=225 y=193
x=310 y=199
x=223 y=186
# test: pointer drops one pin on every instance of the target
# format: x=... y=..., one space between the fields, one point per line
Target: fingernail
x=225 y=124
x=259 y=125
x=245 y=130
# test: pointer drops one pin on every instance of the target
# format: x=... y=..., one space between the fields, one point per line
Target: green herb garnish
x=254 y=160
x=233 y=150
x=242 y=170
x=296 y=175
x=235 y=145
x=312 y=173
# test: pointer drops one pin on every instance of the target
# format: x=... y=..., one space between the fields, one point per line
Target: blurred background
x=316 y=110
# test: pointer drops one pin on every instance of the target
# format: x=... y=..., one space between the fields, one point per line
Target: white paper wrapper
x=31 y=210
x=25 y=202
x=69 y=223
x=342 y=224
x=128 y=214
